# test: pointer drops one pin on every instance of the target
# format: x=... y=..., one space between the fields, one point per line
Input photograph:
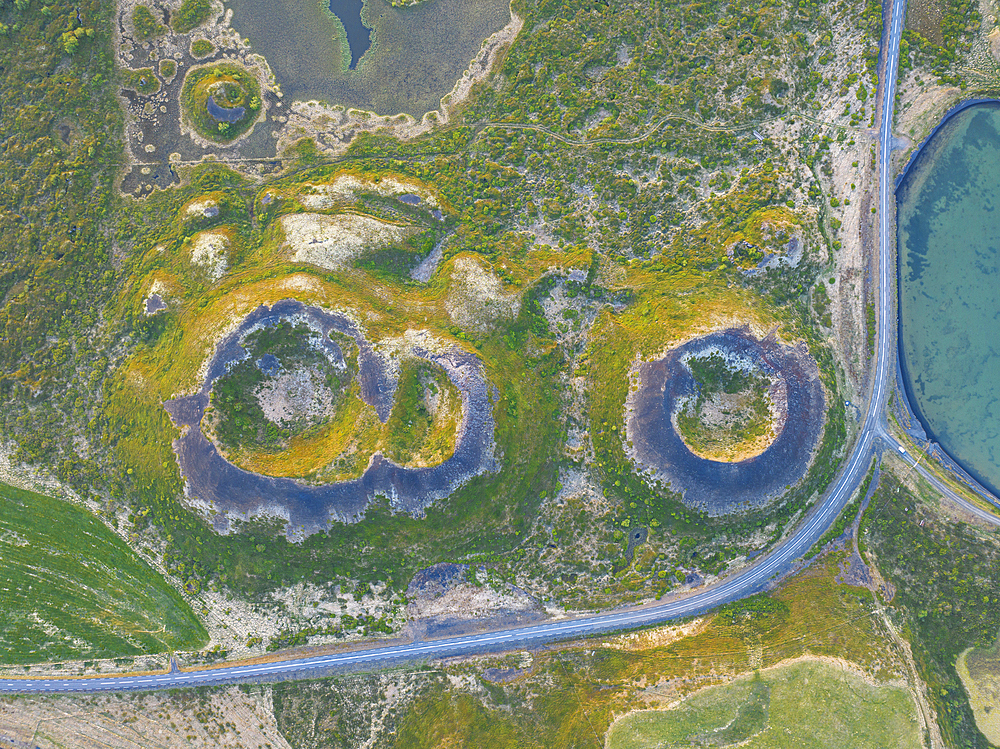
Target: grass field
x=72 y=589
x=979 y=670
x=805 y=704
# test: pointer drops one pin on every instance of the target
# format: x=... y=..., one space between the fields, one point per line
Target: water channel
x=949 y=288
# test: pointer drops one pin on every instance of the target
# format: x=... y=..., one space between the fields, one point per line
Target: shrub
x=201 y=48
x=191 y=15
x=145 y=23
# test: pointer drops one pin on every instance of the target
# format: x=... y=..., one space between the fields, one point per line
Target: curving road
x=740 y=585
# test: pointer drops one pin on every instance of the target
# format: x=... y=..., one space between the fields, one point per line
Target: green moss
x=142 y=81
x=191 y=14
x=168 y=68
x=146 y=24
x=201 y=48
x=229 y=86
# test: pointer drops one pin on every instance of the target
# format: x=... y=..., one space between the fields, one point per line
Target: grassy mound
x=730 y=419
x=803 y=704
x=146 y=24
x=221 y=101
x=191 y=14
x=201 y=48
x=73 y=589
x=286 y=388
x=143 y=81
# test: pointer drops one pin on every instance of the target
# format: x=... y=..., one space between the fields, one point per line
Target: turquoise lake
x=949 y=288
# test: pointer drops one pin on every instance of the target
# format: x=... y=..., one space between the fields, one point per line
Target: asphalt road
x=740 y=585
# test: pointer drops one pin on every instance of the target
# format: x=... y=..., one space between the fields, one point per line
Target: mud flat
x=218 y=487
x=716 y=487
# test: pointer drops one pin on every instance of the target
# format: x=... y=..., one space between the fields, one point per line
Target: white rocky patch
x=202 y=207
x=330 y=242
x=293 y=395
x=346 y=187
x=476 y=299
x=208 y=251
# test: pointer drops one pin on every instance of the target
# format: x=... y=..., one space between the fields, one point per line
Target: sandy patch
x=345 y=188
x=656 y=638
x=294 y=395
x=454 y=591
x=204 y=207
x=476 y=299
x=209 y=252
x=331 y=242
x=226 y=717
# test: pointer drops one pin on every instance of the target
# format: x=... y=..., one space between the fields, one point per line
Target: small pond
x=224 y=114
x=359 y=36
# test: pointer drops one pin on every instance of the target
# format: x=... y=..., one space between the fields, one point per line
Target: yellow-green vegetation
x=142 y=81
x=573 y=697
x=730 y=417
x=339 y=450
x=423 y=426
x=146 y=24
x=73 y=589
x=168 y=69
x=286 y=388
x=802 y=704
x=979 y=669
x=201 y=48
x=947 y=591
x=190 y=15
x=221 y=101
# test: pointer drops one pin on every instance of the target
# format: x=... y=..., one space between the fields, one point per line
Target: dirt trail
x=930 y=731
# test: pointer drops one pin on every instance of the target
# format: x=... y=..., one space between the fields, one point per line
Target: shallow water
x=224 y=114
x=416 y=54
x=949 y=298
x=359 y=36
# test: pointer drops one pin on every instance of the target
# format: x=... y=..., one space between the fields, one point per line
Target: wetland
x=374 y=56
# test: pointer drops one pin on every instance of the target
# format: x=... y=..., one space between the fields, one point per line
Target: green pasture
x=72 y=589
x=802 y=705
